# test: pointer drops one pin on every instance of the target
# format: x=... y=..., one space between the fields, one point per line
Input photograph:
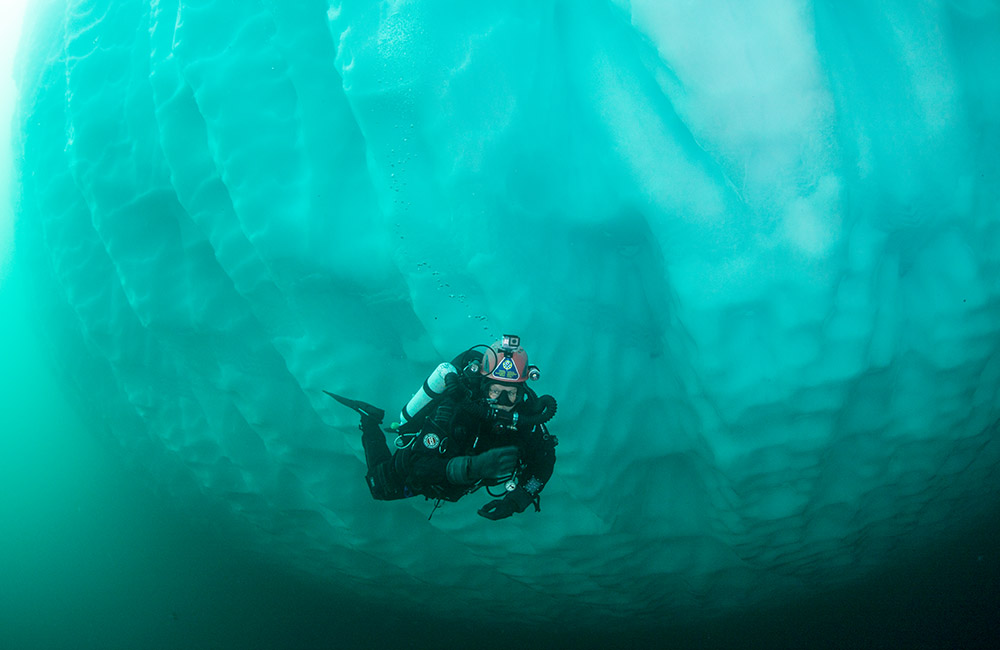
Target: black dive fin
x=366 y=410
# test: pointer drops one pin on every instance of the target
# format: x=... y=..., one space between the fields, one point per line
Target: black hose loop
x=542 y=415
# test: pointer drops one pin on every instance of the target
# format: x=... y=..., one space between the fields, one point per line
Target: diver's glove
x=517 y=500
x=495 y=463
x=454 y=390
x=492 y=464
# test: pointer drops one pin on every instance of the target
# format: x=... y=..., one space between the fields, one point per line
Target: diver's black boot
x=366 y=410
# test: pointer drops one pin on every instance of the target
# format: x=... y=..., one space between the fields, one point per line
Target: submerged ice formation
x=753 y=249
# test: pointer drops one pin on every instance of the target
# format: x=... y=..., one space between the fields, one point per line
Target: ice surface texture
x=753 y=247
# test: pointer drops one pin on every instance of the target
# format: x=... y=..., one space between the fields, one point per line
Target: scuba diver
x=474 y=423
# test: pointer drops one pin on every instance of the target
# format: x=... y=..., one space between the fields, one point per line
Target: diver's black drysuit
x=460 y=427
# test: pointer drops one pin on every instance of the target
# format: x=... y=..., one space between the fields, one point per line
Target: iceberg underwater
x=754 y=249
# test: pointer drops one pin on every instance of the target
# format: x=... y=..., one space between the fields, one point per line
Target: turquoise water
x=755 y=253
x=92 y=558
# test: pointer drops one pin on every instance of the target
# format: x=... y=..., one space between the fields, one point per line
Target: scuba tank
x=432 y=388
